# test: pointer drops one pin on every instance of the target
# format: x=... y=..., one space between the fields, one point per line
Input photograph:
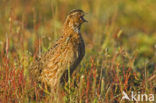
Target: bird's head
x=74 y=19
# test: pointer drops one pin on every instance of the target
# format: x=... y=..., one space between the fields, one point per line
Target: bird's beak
x=84 y=20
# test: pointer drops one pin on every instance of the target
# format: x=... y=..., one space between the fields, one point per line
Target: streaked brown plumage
x=67 y=52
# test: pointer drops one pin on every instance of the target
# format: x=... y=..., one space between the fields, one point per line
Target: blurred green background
x=127 y=27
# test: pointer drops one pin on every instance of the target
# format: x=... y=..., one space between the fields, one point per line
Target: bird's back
x=67 y=52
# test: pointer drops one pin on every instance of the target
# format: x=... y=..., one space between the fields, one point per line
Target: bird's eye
x=81 y=18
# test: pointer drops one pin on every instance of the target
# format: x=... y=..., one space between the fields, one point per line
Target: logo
x=137 y=97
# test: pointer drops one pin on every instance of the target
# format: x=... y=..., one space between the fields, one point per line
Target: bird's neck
x=73 y=33
x=72 y=29
x=76 y=29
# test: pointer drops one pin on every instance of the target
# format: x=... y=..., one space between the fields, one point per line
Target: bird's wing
x=57 y=60
x=36 y=67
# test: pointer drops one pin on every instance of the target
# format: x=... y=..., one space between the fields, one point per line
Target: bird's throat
x=76 y=29
x=72 y=29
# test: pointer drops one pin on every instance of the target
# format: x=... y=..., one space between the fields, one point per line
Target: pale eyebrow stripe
x=74 y=13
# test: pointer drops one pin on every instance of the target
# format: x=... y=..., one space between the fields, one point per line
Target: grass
x=120 y=40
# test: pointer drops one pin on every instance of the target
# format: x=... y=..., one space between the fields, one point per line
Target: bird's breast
x=78 y=49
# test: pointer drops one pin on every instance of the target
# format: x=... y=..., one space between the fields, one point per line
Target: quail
x=66 y=54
